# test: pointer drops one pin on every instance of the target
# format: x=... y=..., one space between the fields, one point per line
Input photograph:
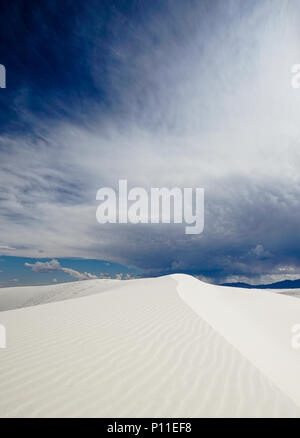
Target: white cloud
x=8 y=248
x=54 y=265
x=79 y=275
x=105 y=276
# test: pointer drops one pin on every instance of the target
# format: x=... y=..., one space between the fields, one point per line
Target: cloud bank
x=193 y=95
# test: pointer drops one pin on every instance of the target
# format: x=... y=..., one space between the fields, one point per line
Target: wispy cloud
x=79 y=275
x=54 y=265
x=6 y=248
x=195 y=95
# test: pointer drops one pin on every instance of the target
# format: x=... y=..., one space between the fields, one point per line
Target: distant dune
x=285 y=284
x=162 y=347
x=26 y=296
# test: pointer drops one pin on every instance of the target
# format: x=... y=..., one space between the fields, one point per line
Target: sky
x=25 y=271
x=162 y=93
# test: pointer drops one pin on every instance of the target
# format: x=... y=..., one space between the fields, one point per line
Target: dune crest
x=257 y=322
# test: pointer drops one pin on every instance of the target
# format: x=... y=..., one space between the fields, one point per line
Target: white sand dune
x=18 y=297
x=258 y=323
x=143 y=348
x=292 y=292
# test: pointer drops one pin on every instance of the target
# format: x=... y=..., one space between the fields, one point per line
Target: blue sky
x=23 y=271
x=161 y=93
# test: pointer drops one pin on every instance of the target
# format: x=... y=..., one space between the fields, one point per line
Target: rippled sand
x=139 y=349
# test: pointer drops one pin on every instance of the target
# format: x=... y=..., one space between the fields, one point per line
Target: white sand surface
x=292 y=292
x=25 y=296
x=257 y=322
x=143 y=348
